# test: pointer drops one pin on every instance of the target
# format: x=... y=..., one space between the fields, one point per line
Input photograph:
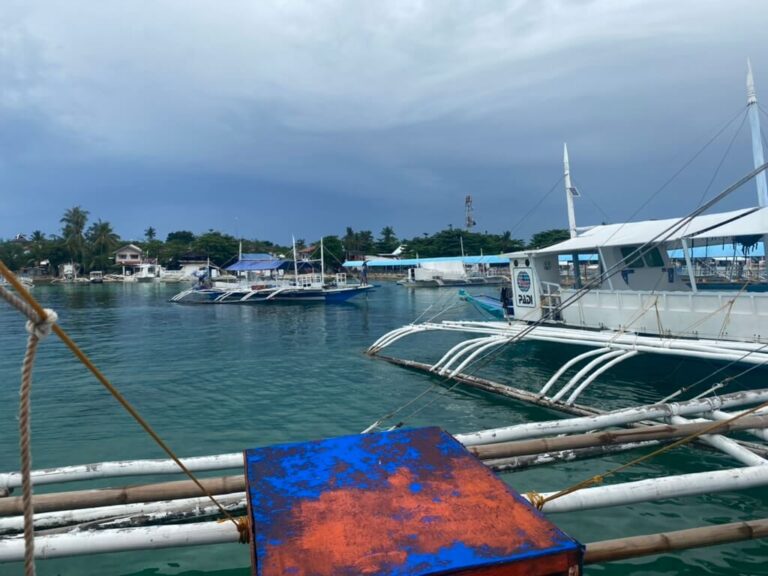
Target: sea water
x=219 y=379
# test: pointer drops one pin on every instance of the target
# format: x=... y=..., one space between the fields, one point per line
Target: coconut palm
x=102 y=241
x=74 y=221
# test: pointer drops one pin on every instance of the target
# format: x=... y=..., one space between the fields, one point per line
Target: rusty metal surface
x=407 y=502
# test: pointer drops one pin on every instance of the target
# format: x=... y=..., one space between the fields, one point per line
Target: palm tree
x=102 y=240
x=74 y=221
x=150 y=234
x=388 y=240
x=37 y=245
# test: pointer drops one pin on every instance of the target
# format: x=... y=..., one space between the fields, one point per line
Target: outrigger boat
x=270 y=288
x=434 y=508
x=635 y=301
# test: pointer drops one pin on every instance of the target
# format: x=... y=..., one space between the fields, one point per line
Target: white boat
x=146 y=272
x=631 y=299
x=96 y=277
x=451 y=273
x=270 y=285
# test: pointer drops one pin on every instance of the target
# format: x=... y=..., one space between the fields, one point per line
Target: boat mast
x=322 y=262
x=569 y=192
x=757 y=144
x=295 y=262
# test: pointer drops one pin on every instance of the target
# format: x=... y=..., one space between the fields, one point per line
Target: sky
x=266 y=119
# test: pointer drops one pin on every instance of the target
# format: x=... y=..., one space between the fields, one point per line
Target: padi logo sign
x=524 y=281
x=523 y=292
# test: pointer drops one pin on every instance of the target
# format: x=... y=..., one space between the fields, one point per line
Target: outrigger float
x=299 y=505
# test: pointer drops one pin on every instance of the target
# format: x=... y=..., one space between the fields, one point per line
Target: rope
x=638 y=252
x=38 y=329
x=41 y=326
x=539 y=501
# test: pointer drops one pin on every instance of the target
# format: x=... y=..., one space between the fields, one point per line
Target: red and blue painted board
x=405 y=503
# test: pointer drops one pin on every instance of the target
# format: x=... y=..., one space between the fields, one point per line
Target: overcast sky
x=265 y=119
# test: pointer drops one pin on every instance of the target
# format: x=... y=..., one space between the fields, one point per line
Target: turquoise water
x=215 y=379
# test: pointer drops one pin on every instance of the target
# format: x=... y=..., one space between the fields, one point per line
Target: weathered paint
x=407 y=502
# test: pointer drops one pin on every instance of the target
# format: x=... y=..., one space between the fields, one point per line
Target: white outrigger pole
x=757 y=143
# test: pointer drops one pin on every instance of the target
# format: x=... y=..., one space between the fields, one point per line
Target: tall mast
x=295 y=262
x=570 y=192
x=757 y=143
x=322 y=262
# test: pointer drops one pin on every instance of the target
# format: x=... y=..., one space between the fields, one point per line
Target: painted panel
x=408 y=502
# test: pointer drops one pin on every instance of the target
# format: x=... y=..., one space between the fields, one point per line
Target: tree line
x=93 y=245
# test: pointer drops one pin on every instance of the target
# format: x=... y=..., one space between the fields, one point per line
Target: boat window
x=629 y=252
x=653 y=258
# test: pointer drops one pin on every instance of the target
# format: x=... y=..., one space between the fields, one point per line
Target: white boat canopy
x=637 y=233
x=752 y=224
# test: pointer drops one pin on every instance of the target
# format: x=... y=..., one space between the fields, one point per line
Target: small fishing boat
x=270 y=285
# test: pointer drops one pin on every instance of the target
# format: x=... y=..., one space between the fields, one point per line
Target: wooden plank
x=125 y=495
x=623 y=548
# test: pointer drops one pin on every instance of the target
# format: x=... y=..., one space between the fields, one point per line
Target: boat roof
x=409 y=262
x=254 y=265
x=752 y=224
x=256 y=256
x=637 y=233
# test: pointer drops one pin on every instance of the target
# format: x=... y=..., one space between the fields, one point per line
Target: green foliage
x=222 y=249
x=14 y=255
x=388 y=241
x=74 y=221
x=548 y=238
x=449 y=242
x=102 y=242
x=334 y=252
x=94 y=247
x=358 y=244
x=182 y=236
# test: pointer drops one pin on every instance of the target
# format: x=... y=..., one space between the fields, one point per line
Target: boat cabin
x=621 y=277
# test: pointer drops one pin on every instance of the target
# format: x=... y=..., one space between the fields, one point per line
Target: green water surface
x=218 y=379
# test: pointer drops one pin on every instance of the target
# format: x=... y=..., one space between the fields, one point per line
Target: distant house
x=305 y=253
x=129 y=255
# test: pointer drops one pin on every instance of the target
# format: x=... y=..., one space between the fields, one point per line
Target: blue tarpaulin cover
x=256 y=262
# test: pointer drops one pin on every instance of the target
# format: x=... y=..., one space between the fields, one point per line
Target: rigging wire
x=679 y=171
x=638 y=252
x=536 y=206
x=591 y=200
x=722 y=160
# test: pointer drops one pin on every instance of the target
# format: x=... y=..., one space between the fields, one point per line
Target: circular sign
x=524 y=281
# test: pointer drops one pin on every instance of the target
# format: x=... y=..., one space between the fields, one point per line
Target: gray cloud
x=379 y=113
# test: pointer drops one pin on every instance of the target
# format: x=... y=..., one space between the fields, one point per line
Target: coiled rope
x=38 y=327
x=40 y=323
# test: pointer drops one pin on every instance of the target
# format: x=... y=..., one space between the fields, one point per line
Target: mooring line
x=41 y=316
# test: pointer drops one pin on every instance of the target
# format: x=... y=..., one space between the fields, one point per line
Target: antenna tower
x=469 y=221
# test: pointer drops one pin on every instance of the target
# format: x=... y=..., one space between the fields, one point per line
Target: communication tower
x=469 y=221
